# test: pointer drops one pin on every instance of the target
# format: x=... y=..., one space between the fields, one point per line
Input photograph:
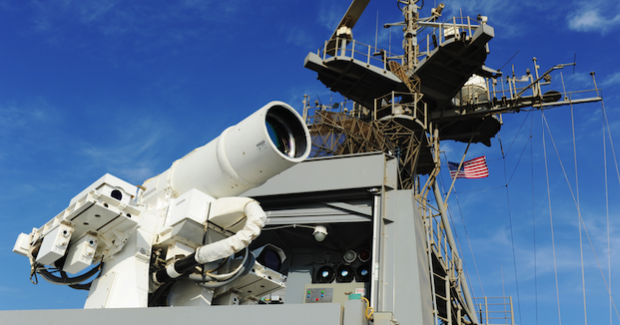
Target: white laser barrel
x=244 y=156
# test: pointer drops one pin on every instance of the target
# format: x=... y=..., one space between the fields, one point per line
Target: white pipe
x=255 y=221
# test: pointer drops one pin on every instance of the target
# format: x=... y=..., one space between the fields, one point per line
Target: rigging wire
x=601 y=269
x=512 y=239
x=519 y=131
x=518 y=161
x=583 y=223
x=583 y=279
x=607 y=212
x=555 y=265
x=510 y=147
x=611 y=142
x=534 y=215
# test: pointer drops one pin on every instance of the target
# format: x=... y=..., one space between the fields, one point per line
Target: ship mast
x=403 y=105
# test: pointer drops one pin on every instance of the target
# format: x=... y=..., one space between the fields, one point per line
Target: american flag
x=475 y=168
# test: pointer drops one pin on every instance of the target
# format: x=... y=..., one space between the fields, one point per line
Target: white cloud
x=8 y=289
x=330 y=14
x=297 y=36
x=169 y=22
x=92 y=10
x=585 y=21
x=132 y=160
x=16 y=119
x=592 y=21
x=612 y=79
x=502 y=13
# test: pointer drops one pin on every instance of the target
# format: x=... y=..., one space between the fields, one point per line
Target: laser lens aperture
x=281 y=135
x=273 y=135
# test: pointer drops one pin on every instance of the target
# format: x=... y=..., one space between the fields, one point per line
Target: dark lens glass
x=272 y=260
x=325 y=274
x=273 y=135
x=280 y=135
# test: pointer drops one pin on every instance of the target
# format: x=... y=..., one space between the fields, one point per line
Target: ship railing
x=495 y=310
x=440 y=245
x=451 y=266
x=345 y=48
x=437 y=237
x=514 y=93
x=394 y=104
x=434 y=34
x=316 y=111
x=457 y=28
x=510 y=90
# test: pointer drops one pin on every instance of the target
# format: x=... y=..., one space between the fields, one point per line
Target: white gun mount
x=176 y=236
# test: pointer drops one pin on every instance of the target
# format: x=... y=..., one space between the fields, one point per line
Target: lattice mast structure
x=361 y=129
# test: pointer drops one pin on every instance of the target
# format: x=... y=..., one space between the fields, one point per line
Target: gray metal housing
x=355 y=197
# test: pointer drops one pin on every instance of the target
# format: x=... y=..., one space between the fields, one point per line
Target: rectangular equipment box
x=332 y=292
x=81 y=254
x=54 y=244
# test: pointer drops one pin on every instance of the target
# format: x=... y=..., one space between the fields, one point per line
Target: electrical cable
x=247 y=266
x=217 y=276
x=369 y=310
x=219 y=266
x=288 y=226
x=247 y=263
x=33 y=273
x=225 y=276
x=154 y=298
x=32 y=252
x=64 y=279
x=86 y=286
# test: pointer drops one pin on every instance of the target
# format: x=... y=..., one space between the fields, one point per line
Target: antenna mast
x=410 y=33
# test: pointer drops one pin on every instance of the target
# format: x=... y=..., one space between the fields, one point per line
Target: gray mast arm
x=350 y=17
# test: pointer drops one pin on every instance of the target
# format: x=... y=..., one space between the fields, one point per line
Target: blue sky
x=95 y=86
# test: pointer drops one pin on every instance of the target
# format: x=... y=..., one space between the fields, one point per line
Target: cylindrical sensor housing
x=245 y=155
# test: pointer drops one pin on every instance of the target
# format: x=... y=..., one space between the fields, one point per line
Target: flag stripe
x=474 y=168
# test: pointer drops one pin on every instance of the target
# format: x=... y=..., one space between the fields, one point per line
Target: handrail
x=446 y=31
x=354 y=50
x=489 y=307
